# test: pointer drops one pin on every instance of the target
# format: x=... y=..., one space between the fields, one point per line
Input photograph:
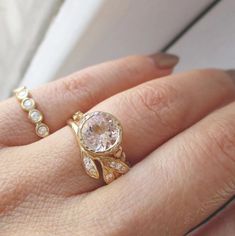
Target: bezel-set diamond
x=21 y=93
x=35 y=116
x=42 y=130
x=100 y=132
x=28 y=104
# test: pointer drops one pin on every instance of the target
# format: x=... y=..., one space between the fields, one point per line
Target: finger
x=181 y=183
x=53 y=167
x=221 y=224
x=144 y=130
x=59 y=100
x=155 y=111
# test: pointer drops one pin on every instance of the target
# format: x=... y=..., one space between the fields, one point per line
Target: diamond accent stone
x=90 y=167
x=108 y=176
x=28 y=104
x=88 y=163
x=116 y=165
x=35 y=115
x=42 y=130
x=22 y=93
x=100 y=132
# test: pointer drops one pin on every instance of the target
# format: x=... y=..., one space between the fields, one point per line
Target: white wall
x=43 y=40
x=22 y=26
x=89 y=32
x=211 y=42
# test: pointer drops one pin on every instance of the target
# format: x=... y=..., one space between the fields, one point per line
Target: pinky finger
x=221 y=224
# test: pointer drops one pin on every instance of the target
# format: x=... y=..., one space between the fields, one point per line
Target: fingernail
x=231 y=73
x=165 y=60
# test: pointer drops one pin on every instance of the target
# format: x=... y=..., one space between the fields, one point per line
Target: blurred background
x=42 y=40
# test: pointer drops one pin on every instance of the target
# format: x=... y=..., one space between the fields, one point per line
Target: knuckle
x=77 y=86
x=152 y=97
x=156 y=100
x=221 y=136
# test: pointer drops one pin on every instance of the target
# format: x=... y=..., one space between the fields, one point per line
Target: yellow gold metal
x=28 y=104
x=112 y=160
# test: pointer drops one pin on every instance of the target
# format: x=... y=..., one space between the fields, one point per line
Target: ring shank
x=74 y=125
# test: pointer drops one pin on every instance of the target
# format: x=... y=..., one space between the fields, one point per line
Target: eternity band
x=28 y=104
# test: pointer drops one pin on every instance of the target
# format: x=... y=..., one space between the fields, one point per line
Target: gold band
x=99 y=136
x=28 y=104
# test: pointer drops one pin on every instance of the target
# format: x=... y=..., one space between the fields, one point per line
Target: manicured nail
x=165 y=60
x=231 y=73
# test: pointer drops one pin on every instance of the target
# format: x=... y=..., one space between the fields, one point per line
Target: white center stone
x=100 y=132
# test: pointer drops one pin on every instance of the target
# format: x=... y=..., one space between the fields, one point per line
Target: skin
x=178 y=135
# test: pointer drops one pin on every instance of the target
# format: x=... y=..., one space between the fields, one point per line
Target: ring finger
x=60 y=99
x=150 y=113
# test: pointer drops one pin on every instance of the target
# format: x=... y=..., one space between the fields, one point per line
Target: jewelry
x=27 y=103
x=99 y=136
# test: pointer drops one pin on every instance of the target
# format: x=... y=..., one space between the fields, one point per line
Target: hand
x=185 y=121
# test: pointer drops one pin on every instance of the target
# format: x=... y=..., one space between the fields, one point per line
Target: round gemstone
x=100 y=132
x=28 y=104
x=22 y=93
x=42 y=130
x=35 y=115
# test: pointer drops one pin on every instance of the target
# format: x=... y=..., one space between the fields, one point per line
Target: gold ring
x=28 y=104
x=99 y=136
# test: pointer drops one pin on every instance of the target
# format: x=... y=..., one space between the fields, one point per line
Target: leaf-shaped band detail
x=108 y=175
x=112 y=167
x=90 y=166
x=116 y=164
